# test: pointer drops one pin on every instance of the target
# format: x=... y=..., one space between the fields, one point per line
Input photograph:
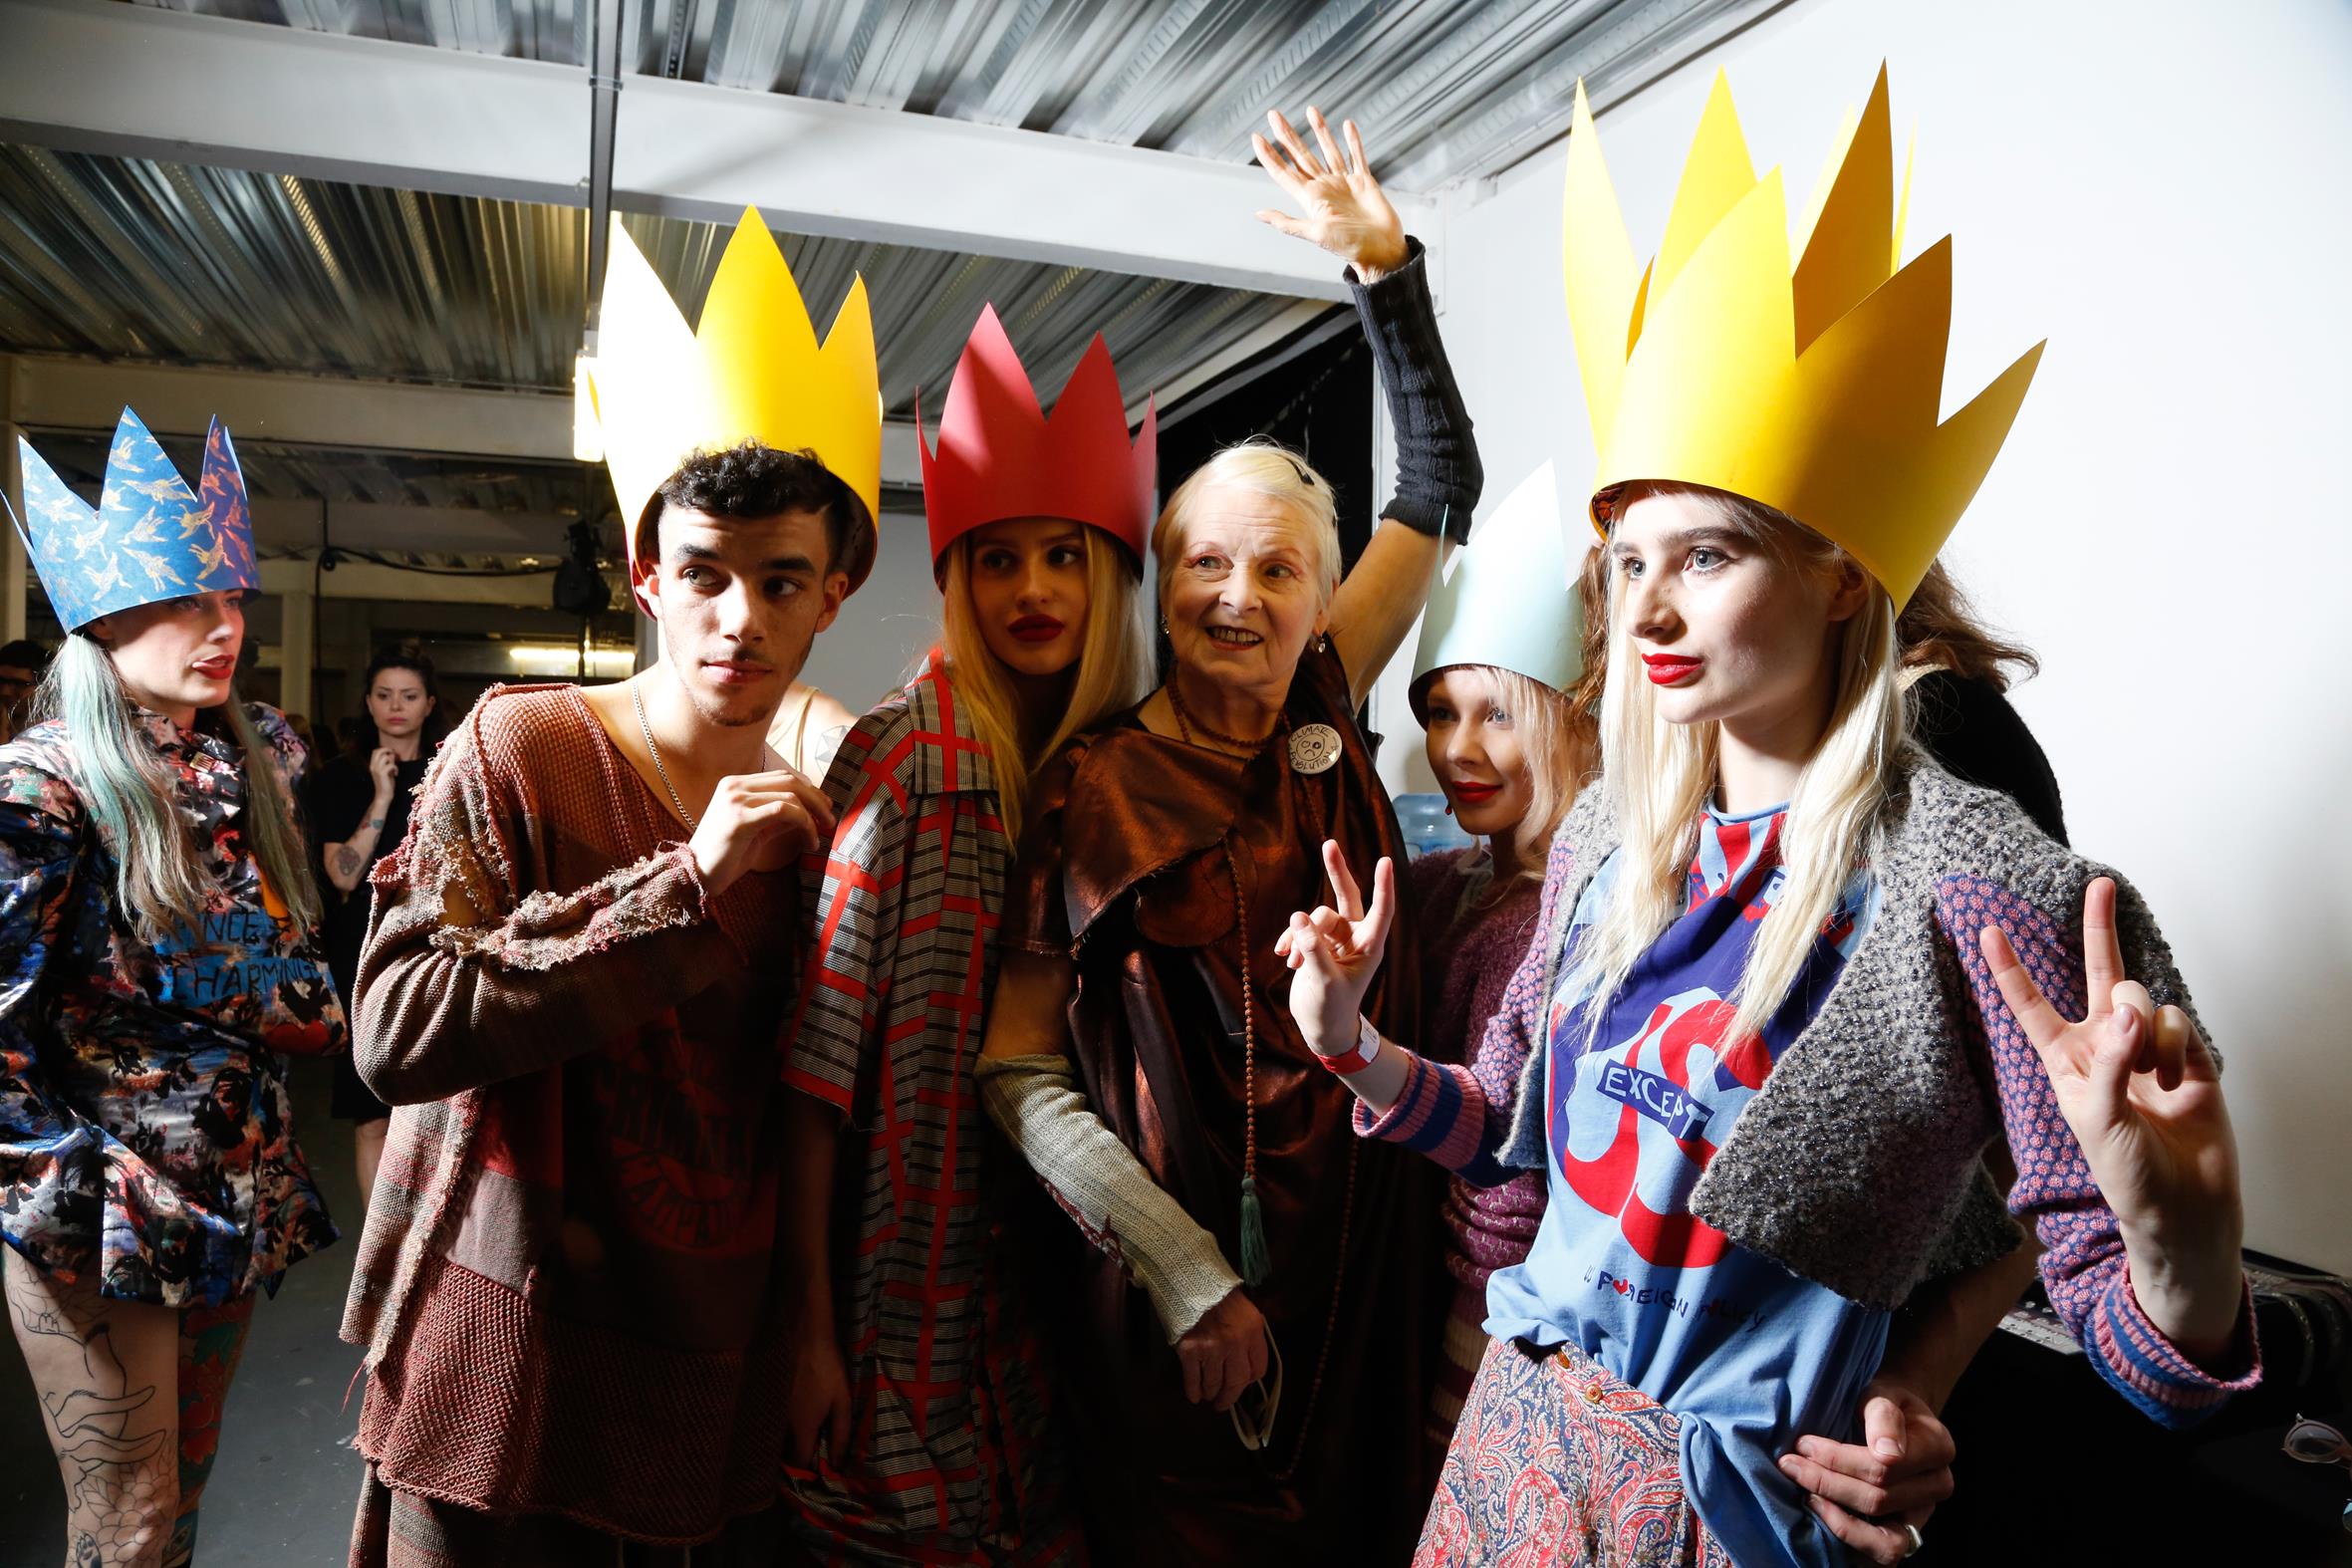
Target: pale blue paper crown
x=149 y=539
x=1510 y=601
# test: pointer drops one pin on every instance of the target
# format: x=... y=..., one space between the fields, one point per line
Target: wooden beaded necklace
x=1255 y=1261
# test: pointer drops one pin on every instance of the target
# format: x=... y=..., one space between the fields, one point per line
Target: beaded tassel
x=1255 y=1265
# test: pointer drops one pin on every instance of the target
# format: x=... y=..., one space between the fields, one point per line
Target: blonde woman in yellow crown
x=568 y=1286
x=1791 y=979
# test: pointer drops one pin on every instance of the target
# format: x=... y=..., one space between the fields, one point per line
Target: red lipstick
x=1670 y=669
x=217 y=668
x=1469 y=793
x=1036 y=629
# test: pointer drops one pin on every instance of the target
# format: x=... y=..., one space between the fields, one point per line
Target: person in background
x=160 y=960
x=358 y=810
x=1956 y=680
x=21 y=664
x=1503 y=696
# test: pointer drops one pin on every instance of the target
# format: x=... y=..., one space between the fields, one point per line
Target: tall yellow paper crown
x=753 y=372
x=1813 y=390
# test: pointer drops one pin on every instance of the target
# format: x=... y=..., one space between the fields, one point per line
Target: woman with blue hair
x=159 y=959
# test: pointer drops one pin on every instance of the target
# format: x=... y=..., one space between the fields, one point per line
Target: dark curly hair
x=754 y=480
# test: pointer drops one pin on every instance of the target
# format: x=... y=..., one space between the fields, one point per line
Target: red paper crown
x=999 y=455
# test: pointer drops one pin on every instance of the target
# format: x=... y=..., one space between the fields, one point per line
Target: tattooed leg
x=212 y=1341
x=106 y=1373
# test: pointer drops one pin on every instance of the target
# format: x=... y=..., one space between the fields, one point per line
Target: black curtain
x=1315 y=400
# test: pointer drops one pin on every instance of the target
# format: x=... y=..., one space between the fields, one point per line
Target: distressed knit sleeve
x=1460 y=1117
x=2083 y=1266
x=470 y=977
x=831 y=1042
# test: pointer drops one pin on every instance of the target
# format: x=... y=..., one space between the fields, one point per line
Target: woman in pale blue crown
x=159 y=961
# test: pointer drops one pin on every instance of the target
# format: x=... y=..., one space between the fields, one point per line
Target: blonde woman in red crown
x=921 y=1424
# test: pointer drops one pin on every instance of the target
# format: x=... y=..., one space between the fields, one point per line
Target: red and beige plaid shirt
x=950 y=1460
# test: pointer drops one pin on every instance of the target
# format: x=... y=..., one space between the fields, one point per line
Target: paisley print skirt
x=1556 y=1463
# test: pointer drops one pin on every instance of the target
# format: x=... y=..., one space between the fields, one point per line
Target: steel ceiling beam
x=52 y=392
x=304 y=410
x=147 y=82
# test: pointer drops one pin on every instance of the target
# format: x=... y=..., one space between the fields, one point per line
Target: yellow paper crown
x=753 y=372
x=1814 y=390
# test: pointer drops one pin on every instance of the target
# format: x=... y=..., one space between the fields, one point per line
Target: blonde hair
x=1659 y=777
x=1257 y=467
x=1558 y=744
x=1112 y=670
x=1559 y=747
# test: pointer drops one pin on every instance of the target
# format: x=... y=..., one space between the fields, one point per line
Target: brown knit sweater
x=566 y=1285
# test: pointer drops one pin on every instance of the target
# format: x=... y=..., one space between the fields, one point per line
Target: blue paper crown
x=149 y=539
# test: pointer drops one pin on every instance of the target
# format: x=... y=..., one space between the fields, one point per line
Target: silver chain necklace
x=637 y=700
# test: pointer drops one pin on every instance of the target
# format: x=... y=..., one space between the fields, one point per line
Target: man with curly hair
x=569 y=1283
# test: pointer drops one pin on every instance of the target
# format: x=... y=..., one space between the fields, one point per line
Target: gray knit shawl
x=1859 y=1164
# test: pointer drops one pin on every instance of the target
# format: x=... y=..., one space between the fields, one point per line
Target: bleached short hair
x=1258 y=467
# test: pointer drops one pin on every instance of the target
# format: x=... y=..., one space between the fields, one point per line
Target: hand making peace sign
x=1344 y=210
x=2143 y=1093
x=1335 y=951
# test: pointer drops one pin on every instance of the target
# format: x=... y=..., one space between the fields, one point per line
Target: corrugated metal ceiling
x=1452 y=87
x=175 y=264
x=131 y=259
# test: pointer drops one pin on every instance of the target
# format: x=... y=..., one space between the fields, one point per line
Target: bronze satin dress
x=1124 y=869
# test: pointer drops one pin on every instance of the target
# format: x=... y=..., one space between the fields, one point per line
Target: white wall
x=886 y=624
x=2160 y=189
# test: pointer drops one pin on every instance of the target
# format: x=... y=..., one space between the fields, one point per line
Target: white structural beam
x=305 y=410
x=365 y=580
x=422 y=530
x=58 y=392
x=147 y=81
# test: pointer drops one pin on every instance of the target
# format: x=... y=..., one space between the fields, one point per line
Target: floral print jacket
x=144 y=1129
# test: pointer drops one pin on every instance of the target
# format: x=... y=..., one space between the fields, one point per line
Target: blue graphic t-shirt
x=1748 y=1354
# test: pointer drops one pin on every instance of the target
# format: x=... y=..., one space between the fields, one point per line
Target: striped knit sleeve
x=833 y=1035
x=1460 y=1117
x=1441 y=1111
x=2083 y=1266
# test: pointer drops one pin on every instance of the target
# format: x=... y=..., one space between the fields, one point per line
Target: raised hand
x=1342 y=209
x=1335 y=951
x=2143 y=1094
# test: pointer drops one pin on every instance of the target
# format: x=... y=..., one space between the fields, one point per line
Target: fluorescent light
x=562 y=660
x=587 y=433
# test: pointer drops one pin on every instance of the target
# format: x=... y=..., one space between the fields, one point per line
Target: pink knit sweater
x=1474 y=942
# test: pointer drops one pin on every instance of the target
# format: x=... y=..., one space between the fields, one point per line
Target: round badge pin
x=1314 y=748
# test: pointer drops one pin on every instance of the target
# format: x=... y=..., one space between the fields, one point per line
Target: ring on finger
x=1917 y=1541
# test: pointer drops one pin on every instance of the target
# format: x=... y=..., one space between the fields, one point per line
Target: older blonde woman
x=1141 y=1052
